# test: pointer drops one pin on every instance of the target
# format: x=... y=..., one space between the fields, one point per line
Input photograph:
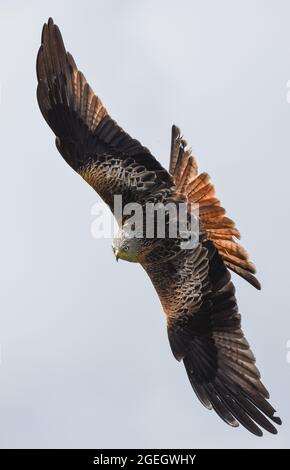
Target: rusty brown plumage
x=200 y=190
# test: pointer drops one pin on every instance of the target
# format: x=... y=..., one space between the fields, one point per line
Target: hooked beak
x=116 y=253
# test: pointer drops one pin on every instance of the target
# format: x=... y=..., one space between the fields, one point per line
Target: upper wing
x=199 y=189
x=204 y=329
x=87 y=138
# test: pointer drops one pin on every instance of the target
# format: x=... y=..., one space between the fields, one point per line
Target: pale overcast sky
x=85 y=356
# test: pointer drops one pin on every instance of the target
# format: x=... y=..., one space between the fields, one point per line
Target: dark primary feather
x=219 y=363
x=86 y=136
x=204 y=330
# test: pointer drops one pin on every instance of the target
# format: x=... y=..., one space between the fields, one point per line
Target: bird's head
x=127 y=247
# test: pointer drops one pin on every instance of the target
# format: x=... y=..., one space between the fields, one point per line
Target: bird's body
x=194 y=284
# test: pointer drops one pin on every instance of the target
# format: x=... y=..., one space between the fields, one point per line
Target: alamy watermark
x=148 y=220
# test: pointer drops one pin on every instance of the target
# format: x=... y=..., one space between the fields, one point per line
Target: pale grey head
x=127 y=246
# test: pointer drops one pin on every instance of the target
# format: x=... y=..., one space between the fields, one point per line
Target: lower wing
x=204 y=329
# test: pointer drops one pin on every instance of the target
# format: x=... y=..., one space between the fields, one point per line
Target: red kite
x=194 y=285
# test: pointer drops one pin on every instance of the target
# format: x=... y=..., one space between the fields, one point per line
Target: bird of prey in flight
x=194 y=285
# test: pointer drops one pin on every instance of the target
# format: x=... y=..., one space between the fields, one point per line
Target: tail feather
x=199 y=189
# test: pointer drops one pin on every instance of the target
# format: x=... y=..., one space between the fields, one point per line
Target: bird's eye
x=126 y=248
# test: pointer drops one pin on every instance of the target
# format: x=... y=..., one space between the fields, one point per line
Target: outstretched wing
x=199 y=189
x=204 y=329
x=86 y=136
